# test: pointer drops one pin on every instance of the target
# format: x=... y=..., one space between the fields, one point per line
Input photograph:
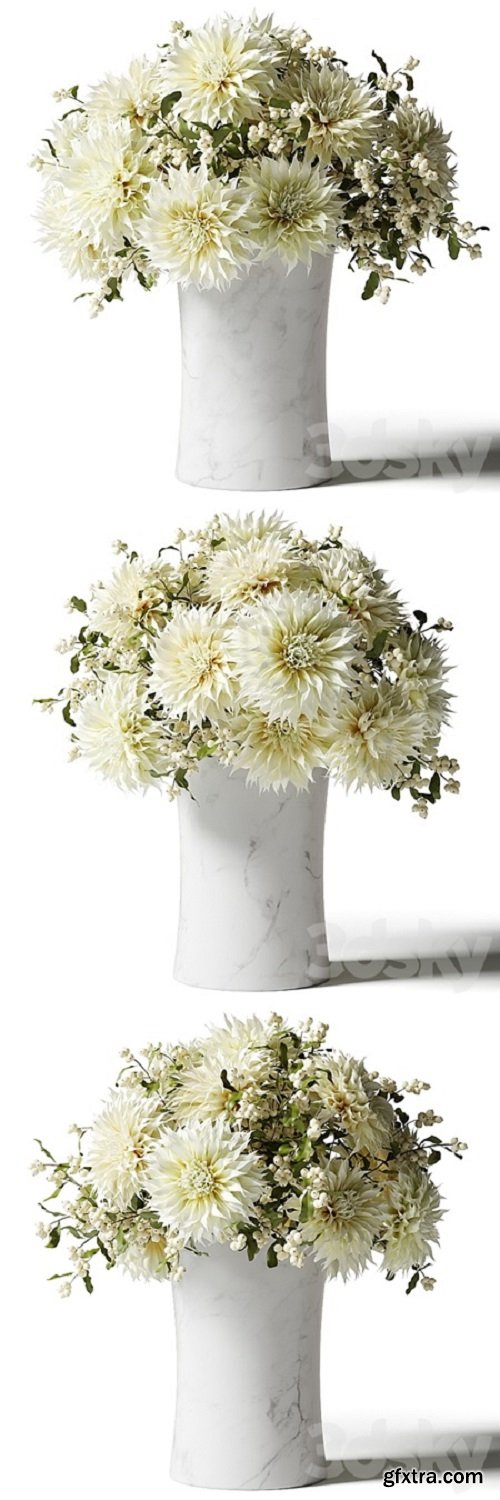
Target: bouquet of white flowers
x=239 y=140
x=258 y=1136
x=276 y=654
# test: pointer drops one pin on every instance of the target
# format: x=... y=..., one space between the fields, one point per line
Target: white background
x=91 y=875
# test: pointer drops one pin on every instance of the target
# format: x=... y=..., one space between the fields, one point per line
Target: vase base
x=271 y=983
x=257 y=479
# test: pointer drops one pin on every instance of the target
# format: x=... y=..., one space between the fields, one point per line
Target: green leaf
x=413 y=1282
x=181 y=780
x=66 y=713
x=87 y=1282
x=74 y=664
x=79 y=604
x=305 y=126
x=272 y=1259
x=306 y=1209
x=43 y=1149
x=435 y=786
x=283 y=1055
x=370 y=286
x=396 y=793
x=453 y=245
x=378 y=643
x=421 y=616
x=279 y=102
x=433 y=1158
x=221 y=134
x=380 y=61
x=54 y=1238
x=168 y=102
x=47 y=142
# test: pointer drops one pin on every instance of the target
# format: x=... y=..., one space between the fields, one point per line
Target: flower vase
x=253 y=410
x=248 y=1412
x=251 y=899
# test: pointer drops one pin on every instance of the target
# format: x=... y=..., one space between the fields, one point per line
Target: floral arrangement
x=277 y=654
x=241 y=139
x=261 y=1137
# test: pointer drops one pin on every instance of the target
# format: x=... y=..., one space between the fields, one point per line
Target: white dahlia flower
x=242 y=574
x=118 y=605
x=344 y=116
x=194 y=229
x=418 y=662
x=372 y=735
x=116 y=734
x=200 y=1094
x=346 y=1221
x=58 y=232
x=221 y=69
x=360 y=588
x=293 y=655
x=414 y=1210
x=149 y=1253
x=117 y=1148
x=346 y=1096
x=203 y=1179
x=239 y=1048
x=190 y=668
x=135 y=95
x=417 y=137
x=106 y=183
x=291 y=208
x=277 y=754
x=254 y=526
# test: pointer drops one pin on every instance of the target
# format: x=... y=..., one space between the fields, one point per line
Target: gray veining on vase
x=251 y=902
x=248 y=1373
x=254 y=408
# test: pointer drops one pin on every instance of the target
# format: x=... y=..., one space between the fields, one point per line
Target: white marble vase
x=253 y=410
x=251 y=892
x=248 y=1410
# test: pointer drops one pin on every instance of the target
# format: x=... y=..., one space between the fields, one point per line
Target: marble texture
x=251 y=901
x=248 y=1374
x=253 y=410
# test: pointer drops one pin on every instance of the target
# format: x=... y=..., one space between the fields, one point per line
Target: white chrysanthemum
x=293 y=654
x=190 y=668
x=221 y=69
x=372 y=735
x=241 y=574
x=414 y=132
x=418 y=662
x=194 y=229
x=360 y=587
x=344 y=114
x=135 y=95
x=413 y=1213
x=115 y=733
x=117 y=1148
x=203 y=1179
x=348 y=1099
x=238 y=1042
x=118 y=605
x=275 y=753
x=200 y=1094
x=344 y=1227
x=106 y=183
x=291 y=208
x=149 y=1254
x=78 y=256
x=239 y=1048
x=254 y=526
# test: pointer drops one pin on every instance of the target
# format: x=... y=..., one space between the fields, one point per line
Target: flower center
x=300 y=651
x=198 y=1180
